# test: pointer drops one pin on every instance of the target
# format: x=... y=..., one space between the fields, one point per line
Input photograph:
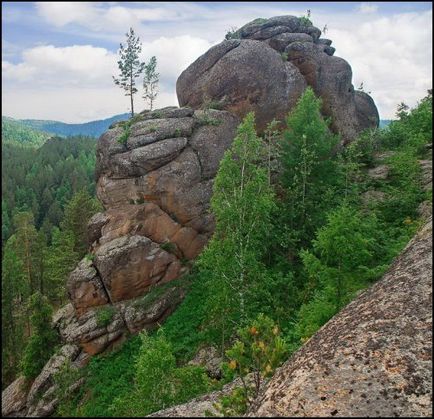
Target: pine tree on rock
x=130 y=66
x=150 y=82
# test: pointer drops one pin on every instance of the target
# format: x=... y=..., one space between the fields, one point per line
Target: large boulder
x=372 y=359
x=130 y=265
x=267 y=67
x=243 y=76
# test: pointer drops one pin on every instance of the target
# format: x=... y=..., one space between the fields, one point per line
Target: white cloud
x=390 y=54
x=367 y=8
x=76 y=81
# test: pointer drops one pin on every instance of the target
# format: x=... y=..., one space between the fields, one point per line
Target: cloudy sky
x=58 y=58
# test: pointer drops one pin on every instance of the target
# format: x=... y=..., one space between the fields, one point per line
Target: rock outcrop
x=266 y=67
x=155 y=183
x=372 y=359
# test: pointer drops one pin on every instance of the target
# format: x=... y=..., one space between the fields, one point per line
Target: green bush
x=104 y=315
x=158 y=382
x=258 y=351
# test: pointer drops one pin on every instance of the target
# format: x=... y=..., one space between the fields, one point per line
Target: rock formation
x=374 y=358
x=156 y=187
x=265 y=68
x=154 y=177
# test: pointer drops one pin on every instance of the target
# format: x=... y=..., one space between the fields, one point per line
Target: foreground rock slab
x=372 y=359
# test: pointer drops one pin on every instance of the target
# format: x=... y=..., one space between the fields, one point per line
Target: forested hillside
x=15 y=132
x=47 y=198
x=92 y=128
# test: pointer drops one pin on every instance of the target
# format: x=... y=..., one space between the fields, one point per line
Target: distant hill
x=13 y=131
x=92 y=129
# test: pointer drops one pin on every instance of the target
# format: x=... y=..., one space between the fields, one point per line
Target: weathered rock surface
x=40 y=399
x=14 y=398
x=372 y=359
x=201 y=406
x=244 y=76
x=267 y=84
x=85 y=288
x=210 y=359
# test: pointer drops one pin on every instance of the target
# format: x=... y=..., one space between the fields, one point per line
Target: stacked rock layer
x=265 y=68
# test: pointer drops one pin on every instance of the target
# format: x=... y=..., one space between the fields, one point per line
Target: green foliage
x=125 y=135
x=242 y=204
x=344 y=259
x=107 y=376
x=67 y=380
x=14 y=290
x=43 y=180
x=168 y=247
x=413 y=128
x=78 y=212
x=150 y=82
x=232 y=33
x=43 y=339
x=104 y=315
x=305 y=21
x=284 y=56
x=17 y=133
x=310 y=174
x=258 y=351
x=130 y=66
x=158 y=382
x=235 y=403
x=59 y=260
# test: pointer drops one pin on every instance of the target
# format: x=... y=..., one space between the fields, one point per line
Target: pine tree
x=43 y=339
x=60 y=260
x=78 y=212
x=130 y=66
x=150 y=82
x=27 y=248
x=14 y=291
x=310 y=174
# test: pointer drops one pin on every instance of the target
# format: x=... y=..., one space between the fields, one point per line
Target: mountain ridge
x=91 y=128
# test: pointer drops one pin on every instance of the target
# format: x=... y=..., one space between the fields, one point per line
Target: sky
x=58 y=58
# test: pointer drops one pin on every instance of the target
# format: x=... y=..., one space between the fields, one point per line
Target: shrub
x=168 y=247
x=104 y=315
x=159 y=383
x=258 y=351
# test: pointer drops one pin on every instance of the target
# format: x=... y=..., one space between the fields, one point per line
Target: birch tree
x=242 y=204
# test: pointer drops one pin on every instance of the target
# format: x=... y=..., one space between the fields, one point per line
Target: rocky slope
x=275 y=59
x=372 y=359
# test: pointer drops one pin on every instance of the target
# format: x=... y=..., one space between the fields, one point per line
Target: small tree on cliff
x=150 y=82
x=130 y=66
